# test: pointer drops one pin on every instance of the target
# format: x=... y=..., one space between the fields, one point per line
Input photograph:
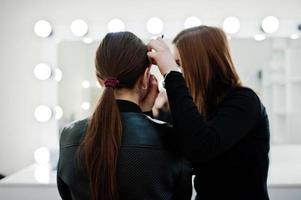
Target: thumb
x=152 y=57
x=152 y=54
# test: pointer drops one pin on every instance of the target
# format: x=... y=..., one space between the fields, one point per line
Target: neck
x=128 y=95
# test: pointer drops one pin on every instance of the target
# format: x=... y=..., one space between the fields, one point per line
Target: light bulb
x=58 y=75
x=87 y=40
x=259 y=37
x=42 y=155
x=231 y=25
x=192 y=22
x=85 y=105
x=154 y=25
x=294 y=36
x=42 y=174
x=270 y=24
x=42 y=113
x=58 y=112
x=79 y=27
x=42 y=28
x=116 y=25
x=42 y=71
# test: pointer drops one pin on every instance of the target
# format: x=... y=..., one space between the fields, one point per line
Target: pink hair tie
x=111 y=82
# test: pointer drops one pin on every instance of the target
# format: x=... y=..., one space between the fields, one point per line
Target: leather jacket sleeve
x=63 y=189
x=61 y=185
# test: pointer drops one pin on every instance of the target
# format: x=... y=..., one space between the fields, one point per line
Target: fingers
x=152 y=54
x=149 y=48
x=157 y=45
x=151 y=57
x=154 y=45
x=153 y=85
x=147 y=103
x=153 y=79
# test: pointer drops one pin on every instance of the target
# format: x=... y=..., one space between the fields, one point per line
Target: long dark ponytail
x=123 y=56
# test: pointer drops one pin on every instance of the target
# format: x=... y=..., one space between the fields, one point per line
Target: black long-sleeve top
x=229 y=151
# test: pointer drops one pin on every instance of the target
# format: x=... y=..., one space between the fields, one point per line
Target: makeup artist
x=222 y=126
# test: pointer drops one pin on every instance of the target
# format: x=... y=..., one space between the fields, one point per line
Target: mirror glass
x=269 y=67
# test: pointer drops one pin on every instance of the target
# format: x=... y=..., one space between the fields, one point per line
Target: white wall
x=20 y=50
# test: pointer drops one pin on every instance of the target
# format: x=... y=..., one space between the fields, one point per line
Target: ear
x=145 y=78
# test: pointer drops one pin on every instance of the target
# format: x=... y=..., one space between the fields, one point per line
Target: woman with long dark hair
x=222 y=126
x=119 y=152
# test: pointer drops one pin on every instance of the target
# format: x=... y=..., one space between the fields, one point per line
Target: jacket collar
x=128 y=106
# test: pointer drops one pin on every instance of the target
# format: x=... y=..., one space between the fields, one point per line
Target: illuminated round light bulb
x=85 y=105
x=85 y=84
x=192 y=22
x=270 y=24
x=259 y=37
x=42 y=113
x=294 y=36
x=58 y=112
x=58 y=75
x=87 y=40
x=116 y=25
x=42 y=71
x=79 y=27
x=154 y=25
x=42 y=28
x=42 y=155
x=42 y=174
x=231 y=25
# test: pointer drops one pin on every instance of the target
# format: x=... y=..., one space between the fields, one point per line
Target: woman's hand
x=161 y=56
x=147 y=103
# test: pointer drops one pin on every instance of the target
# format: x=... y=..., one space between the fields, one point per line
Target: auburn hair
x=121 y=55
x=207 y=65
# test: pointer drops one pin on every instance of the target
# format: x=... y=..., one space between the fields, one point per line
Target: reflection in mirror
x=78 y=91
x=270 y=67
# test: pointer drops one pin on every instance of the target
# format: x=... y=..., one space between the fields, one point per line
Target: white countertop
x=285 y=170
x=33 y=175
x=285 y=166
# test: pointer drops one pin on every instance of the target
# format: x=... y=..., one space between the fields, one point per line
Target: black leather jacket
x=149 y=165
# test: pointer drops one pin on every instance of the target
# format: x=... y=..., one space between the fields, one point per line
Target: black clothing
x=149 y=166
x=228 y=151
